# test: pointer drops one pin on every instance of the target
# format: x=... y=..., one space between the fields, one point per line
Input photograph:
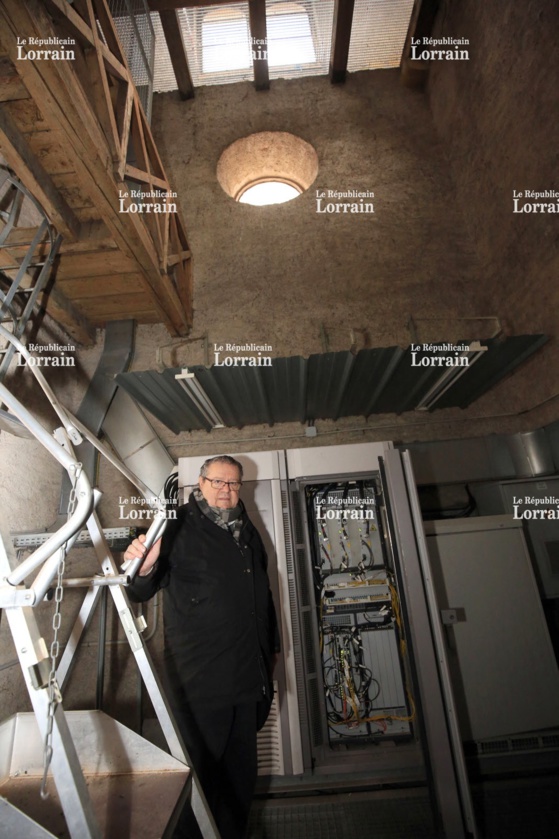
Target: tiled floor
x=524 y=809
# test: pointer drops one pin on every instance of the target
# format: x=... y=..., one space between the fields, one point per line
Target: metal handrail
x=47 y=554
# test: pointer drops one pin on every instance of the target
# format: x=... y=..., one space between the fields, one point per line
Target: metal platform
x=515 y=808
x=347 y=816
x=133 y=785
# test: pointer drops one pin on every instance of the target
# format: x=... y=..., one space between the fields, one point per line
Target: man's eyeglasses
x=217 y=484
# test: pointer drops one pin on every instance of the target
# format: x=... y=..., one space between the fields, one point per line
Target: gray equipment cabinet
x=503 y=667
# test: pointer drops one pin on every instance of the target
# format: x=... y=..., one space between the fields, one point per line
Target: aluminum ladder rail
x=18 y=603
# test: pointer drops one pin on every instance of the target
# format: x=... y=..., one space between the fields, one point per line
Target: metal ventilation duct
x=323 y=386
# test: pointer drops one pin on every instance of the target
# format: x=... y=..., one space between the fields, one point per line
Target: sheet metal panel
x=502 y=357
x=323 y=386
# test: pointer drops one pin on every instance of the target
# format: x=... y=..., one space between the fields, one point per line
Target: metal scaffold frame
x=18 y=601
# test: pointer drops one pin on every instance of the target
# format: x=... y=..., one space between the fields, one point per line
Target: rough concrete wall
x=279 y=274
x=497 y=115
x=275 y=274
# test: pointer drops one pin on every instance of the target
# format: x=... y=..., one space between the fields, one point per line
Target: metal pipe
x=155 y=531
x=83 y=488
x=87 y=582
x=47 y=573
x=47 y=552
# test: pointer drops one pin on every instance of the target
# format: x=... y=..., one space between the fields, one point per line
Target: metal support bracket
x=129 y=624
x=451 y=616
x=39 y=673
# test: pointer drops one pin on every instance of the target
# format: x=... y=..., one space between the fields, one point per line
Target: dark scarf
x=228 y=519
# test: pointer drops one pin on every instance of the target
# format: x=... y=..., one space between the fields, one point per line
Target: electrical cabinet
x=542 y=532
x=362 y=685
x=358 y=615
x=500 y=654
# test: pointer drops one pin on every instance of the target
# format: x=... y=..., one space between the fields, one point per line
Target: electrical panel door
x=357 y=614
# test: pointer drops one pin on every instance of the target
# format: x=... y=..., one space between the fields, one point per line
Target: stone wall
x=496 y=115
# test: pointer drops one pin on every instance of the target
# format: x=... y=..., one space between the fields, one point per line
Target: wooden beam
x=156 y=164
x=22 y=160
x=172 y=31
x=259 y=43
x=100 y=88
x=424 y=12
x=103 y=14
x=11 y=86
x=57 y=305
x=142 y=177
x=105 y=285
x=56 y=87
x=124 y=116
x=178 y=257
x=62 y=12
x=94 y=238
x=341 y=35
x=183 y=279
x=67 y=16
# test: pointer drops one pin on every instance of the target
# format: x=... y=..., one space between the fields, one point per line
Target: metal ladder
x=24 y=279
x=18 y=601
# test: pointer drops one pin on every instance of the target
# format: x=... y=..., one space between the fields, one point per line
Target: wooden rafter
x=258 y=33
x=424 y=12
x=101 y=124
x=172 y=31
x=341 y=36
x=63 y=310
x=100 y=88
x=124 y=114
x=22 y=160
x=11 y=86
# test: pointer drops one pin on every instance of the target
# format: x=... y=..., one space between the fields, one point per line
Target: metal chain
x=55 y=697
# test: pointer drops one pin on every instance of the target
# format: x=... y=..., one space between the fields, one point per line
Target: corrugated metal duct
x=323 y=386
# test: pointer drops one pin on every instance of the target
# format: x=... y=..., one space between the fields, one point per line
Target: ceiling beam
x=56 y=86
x=23 y=161
x=11 y=86
x=59 y=307
x=259 y=43
x=172 y=31
x=341 y=34
x=424 y=12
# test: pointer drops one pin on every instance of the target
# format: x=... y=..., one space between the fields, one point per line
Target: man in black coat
x=220 y=638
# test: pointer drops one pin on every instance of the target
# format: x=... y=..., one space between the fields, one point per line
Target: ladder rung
x=20 y=244
x=16 y=266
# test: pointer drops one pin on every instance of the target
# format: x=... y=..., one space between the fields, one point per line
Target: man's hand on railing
x=137 y=549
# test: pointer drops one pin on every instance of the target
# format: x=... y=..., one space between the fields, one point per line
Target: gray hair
x=220 y=458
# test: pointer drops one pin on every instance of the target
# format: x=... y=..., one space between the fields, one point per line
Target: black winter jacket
x=220 y=623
